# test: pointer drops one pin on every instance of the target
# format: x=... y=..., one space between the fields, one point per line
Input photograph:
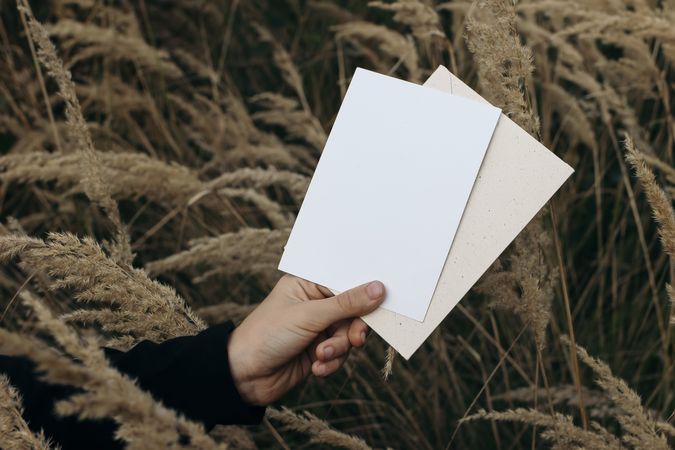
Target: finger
x=333 y=347
x=312 y=350
x=341 y=327
x=352 y=303
x=312 y=291
x=358 y=330
x=336 y=343
x=325 y=291
x=322 y=369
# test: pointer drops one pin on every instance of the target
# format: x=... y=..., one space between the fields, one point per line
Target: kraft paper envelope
x=516 y=179
x=388 y=193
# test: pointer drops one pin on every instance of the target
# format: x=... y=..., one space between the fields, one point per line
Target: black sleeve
x=190 y=374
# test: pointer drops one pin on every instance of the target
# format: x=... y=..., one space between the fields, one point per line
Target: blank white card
x=389 y=190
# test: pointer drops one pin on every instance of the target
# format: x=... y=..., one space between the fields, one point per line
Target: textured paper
x=389 y=190
x=517 y=178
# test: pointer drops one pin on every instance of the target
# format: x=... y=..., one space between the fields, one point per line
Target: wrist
x=237 y=363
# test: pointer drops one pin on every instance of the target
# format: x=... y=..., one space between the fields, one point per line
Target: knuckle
x=345 y=346
x=347 y=302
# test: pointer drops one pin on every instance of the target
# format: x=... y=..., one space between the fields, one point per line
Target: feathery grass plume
x=388 y=363
x=671 y=298
x=599 y=406
x=129 y=175
x=250 y=250
x=235 y=437
x=391 y=43
x=639 y=429
x=318 y=430
x=574 y=120
x=92 y=41
x=526 y=287
x=266 y=207
x=133 y=307
x=661 y=206
x=504 y=64
x=283 y=112
x=558 y=429
x=295 y=183
x=328 y=9
x=285 y=63
x=418 y=15
x=95 y=186
x=14 y=431
x=666 y=428
x=666 y=169
x=504 y=70
x=660 y=203
x=259 y=154
x=103 y=391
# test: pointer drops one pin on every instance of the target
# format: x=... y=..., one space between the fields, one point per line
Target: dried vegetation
x=153 y=156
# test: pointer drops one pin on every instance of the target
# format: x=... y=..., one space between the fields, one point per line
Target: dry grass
x=153 y=158
x=13 y=428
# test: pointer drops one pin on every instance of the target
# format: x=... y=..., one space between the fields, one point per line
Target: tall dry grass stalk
x=318 y=430
x=251 y=251
x=504 y=73
x=638 y=430
x=389 y=42
x=421 y=17
x=662 y=210
x=389 y=359
x=131 y=306
x=660 y=203
x=505 y=70
x=504 y=64
x=15 y=433
x=95 y=186
x=104 y=392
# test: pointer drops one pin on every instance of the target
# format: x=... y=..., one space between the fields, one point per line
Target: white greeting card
x=518 y=176
x=389 y=190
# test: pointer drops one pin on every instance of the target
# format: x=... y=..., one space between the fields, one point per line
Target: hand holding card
x=392 y=185
x=389 y=190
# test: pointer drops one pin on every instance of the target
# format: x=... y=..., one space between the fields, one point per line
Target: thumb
x=355 y=302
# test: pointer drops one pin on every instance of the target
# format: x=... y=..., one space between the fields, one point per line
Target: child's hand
x=299 y=328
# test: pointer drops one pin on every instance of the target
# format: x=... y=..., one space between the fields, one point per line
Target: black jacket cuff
x=192 y=375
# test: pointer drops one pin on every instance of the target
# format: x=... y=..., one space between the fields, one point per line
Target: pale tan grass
x=131 y=306
x=104 y=392
x=14 y=431
x=389 y=42
x=282 y=111
x=660 y=203
x=94 y=184
x=251 y=251
x=417 y=14
x=639 y=429
x=96 y=41
x=318 y=430
x=130 y=175
x=558 y=429
x=285 y=63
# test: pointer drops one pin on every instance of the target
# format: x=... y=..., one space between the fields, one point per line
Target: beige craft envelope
x=518 y=176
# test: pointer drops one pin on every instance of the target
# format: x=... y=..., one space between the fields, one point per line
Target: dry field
x=151 y=192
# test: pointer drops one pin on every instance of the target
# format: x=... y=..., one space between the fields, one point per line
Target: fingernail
x=375 y=290
x=321 y=369
x=328 y=352
x=363 y=337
